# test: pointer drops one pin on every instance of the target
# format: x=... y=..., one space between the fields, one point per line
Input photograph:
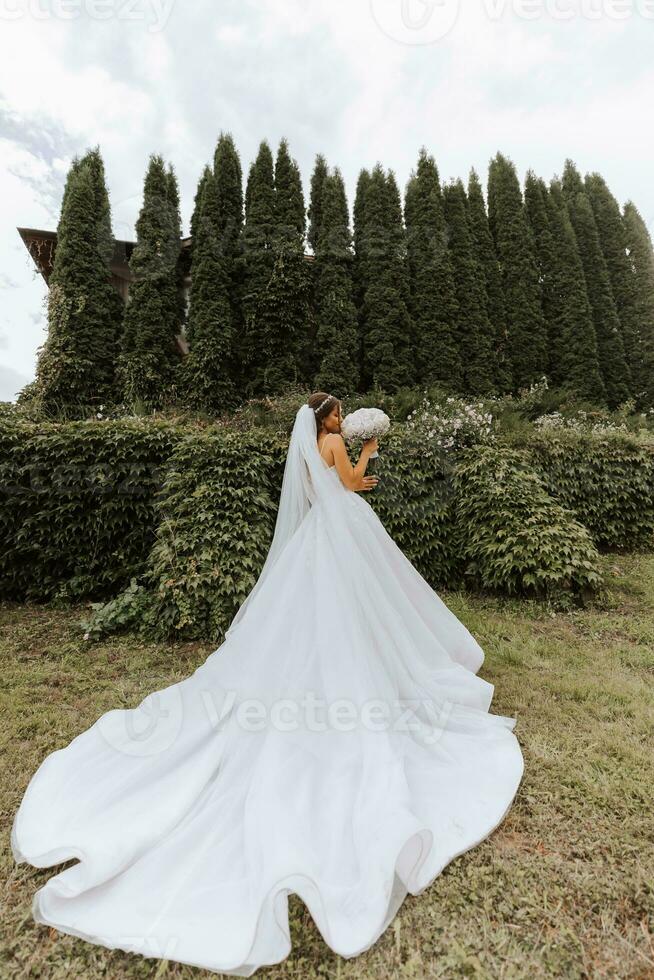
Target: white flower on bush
x=577 y=423
x=453 y=424
x=535 y=389
x=553 y=420
x=365 y=423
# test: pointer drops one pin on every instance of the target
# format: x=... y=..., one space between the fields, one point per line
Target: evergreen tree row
x=439 y=287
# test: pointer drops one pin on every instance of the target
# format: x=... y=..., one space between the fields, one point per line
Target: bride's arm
x=353 y=477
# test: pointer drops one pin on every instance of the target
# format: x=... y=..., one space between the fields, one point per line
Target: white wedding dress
x=338 y=745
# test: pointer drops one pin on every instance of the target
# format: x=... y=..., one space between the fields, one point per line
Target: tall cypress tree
x=282 y=318
x=573 y=357
x=150 y=356
x=258 y=262
x=75 y=365
x=72 y=170
x=212 y=375
x=281 y=314
x=474 y=329
x=492 y=277
x=106 y=243
x=177 y=285
x=337 y=327
x=613 y=241
x=515 y=249
x=387 y=326
x=641 y=259
x=359 y=287
x=197 y=217
x=613 y=363
x=290 y=211
x=291 y=220
x=207 y=174
x=228 y=222
x=434 y=308
x=359 y=214
x=320 y=171
x=580 y=350
x=207 y=375
x=228 y=217
x=104 y=234
x=228 y=177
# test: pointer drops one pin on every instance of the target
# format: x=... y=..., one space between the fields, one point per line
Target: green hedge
x=166 y=524
x=216 y=513
x=77 y=507
x=413 y=499
x=606 y=480
x=513 y=536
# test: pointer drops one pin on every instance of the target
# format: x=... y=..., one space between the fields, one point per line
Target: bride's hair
x=322 y=404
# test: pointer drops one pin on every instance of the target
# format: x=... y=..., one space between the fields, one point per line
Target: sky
x=360 y=81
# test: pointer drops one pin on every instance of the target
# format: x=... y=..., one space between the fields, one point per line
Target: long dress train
x=337 y=744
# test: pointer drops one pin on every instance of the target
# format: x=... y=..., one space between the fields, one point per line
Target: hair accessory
x=322 y=404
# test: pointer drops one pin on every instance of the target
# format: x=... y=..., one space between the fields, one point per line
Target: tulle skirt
x=338 y=745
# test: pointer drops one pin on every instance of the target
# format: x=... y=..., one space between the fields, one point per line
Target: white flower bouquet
x=365 y=423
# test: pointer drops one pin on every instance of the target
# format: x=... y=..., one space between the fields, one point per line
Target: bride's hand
x=371 y=445
x=368 y=483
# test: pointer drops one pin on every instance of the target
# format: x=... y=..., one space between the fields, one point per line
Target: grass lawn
x=564 y=888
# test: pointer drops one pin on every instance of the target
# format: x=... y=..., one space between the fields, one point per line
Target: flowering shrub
x=452 y=424
x=580 y=422
x=528 y=401
x=535 y=391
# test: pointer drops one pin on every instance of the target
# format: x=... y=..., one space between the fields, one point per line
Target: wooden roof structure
x=42 y=245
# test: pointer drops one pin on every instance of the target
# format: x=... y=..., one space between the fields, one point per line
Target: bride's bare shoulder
x=336 y=442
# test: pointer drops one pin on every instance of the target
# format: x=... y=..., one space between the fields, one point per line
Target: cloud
x=11 y=382
x=6 y=282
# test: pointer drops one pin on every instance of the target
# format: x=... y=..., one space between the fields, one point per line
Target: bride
x=337 y=745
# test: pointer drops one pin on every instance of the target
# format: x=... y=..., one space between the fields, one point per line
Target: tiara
x=322 y=404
